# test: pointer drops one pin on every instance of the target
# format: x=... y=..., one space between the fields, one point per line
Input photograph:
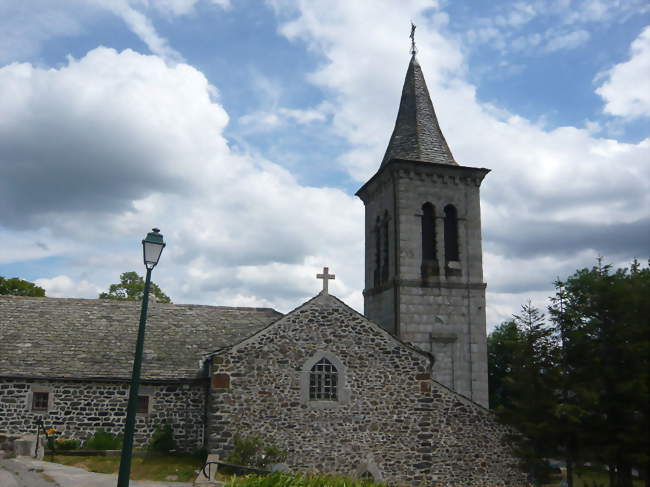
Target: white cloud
x=66 y=287
x=625 y=90
x=538 y=27
x=25 y=26
x=128 y=142
x=569 y=40
x=262 y=121
x=142 y=26
x=183 y=7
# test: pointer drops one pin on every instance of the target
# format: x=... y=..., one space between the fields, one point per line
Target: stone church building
x=399 y=394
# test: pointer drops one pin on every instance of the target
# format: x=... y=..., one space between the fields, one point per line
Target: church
x=399 y=393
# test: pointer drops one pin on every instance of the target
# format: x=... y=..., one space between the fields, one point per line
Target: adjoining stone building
x=398 y=394
x=69 y=361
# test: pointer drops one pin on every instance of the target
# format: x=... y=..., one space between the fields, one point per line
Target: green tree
x=601 y=316
x=502 y=346
x=579 y=388
x=530 y=391
x=131 y=288
x=19 y=287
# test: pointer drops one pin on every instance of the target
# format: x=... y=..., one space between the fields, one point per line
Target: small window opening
x=323 y=381
x=40 y=401
x=143 y=405
x=429 y=261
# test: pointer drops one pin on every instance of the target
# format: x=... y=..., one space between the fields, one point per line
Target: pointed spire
x=417 y=135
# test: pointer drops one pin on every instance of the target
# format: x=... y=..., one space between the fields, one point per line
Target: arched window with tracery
x=323 y=381
x=429 y=261
x=451 y=234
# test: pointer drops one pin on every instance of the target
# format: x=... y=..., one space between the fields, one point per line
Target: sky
x=243 y=128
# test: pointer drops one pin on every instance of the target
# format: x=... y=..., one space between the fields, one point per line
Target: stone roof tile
x=417 y=135
x=95 y=338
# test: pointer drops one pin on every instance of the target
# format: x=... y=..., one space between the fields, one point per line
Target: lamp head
x=152 y=247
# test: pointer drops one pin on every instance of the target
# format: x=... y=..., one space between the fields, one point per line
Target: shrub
x=67 y=443
x=251 y=451
x=162 y=439
x=103 y=440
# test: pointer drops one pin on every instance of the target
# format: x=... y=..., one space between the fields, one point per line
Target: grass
x=591 y=478
x=160 y=467
x=157 y=467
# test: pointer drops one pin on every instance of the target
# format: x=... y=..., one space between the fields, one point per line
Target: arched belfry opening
x=429 y=265
x=381 y=252
x=452 y=253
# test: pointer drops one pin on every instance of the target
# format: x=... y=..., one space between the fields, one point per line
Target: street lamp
x=152 y=247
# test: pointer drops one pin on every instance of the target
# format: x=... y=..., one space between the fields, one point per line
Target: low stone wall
x=79 y=409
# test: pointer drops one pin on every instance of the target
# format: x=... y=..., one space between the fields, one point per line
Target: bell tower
x=423 y=257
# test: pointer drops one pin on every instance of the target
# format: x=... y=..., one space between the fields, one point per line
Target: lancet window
x=382 y=254
x=451 y=234
x=429 y=261
x=323 y=381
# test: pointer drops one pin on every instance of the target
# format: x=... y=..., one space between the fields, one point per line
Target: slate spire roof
x=417 y=135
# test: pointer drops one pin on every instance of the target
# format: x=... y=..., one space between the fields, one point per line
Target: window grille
x=323 y=381
x=40 y=401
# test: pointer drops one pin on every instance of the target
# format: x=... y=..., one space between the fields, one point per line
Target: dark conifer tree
x=531 y=392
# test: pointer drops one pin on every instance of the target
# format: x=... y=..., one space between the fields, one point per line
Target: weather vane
x=412 y=36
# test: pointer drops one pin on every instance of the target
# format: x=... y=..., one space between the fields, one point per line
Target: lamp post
x=152 y=247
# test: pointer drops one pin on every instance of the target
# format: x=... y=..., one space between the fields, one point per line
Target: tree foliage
x=502 y=346
x=19 y=287
x=131 y=288
x=577 y=386
x=528 y=389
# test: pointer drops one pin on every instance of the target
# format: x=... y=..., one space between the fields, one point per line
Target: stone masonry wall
x=78 y=409
x=443 y=313
x=391 y=419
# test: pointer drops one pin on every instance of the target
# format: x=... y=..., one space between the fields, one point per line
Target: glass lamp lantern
x=152 y=247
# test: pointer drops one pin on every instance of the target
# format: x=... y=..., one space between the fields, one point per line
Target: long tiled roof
x=95 y=338
x=417 y=135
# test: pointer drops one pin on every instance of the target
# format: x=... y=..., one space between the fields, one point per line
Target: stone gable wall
x=397 y=421
x=79 y=409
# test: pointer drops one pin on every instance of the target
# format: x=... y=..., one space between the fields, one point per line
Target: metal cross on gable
x=326 y=276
